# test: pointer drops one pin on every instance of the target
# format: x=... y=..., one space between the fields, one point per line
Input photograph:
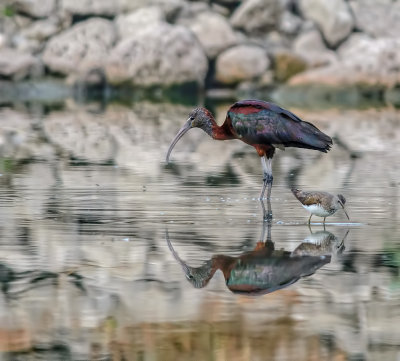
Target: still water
x=106 y=253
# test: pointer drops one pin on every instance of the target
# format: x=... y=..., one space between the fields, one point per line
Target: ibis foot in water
x=267 y=213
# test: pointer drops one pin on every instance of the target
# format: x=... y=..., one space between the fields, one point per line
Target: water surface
x=87 y=273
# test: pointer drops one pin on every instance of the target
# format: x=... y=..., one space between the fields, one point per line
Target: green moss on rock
x=287 y=64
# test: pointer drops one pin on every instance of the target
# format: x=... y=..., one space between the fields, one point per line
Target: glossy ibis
x=263 y=125
x=321 y=204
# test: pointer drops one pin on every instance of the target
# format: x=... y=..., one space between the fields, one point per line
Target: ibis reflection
x=265 y=269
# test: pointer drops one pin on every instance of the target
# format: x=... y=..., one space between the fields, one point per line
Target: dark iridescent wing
x=259 y=122
x=261 y=275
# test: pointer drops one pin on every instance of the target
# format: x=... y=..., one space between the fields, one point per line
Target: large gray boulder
x=15 y=64
x=240 y=63
x=310 y=46
x=170 y=8
x=213 y=31
x=257 y=16
x=83 y=47
x=362 y=61
x=161 y=54
x=3 y=41
x=377 y=18
x=90 y=7
x=36 y=9
x=190 y=10
x=289 y=23
x=116 y=7
x=333 y=17
x=130 y=24
x=286 y=64
x=41 y=29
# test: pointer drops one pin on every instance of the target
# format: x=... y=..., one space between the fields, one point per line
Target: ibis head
x=198 y=118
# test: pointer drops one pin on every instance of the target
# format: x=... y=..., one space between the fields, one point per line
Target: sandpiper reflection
x=321 y=243
x=264 y=269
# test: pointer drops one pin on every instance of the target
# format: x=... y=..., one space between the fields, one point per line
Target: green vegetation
x=7 y=10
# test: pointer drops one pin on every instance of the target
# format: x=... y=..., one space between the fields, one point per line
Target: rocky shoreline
x=220 y=44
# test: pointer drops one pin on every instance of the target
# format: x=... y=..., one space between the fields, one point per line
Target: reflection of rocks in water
x=257 y=272
x=14 y=283
x=136 y=137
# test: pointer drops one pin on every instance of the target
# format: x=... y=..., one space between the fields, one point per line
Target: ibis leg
x=267 y=181
x=267 y=176
x=309 y=219
x=267 y=213
x=265 y=238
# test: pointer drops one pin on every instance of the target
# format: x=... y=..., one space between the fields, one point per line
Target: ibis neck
x=217 y=132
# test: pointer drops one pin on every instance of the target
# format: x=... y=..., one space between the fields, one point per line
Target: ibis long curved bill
x=180 y=134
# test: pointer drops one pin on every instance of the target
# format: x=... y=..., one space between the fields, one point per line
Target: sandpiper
x=321 y=204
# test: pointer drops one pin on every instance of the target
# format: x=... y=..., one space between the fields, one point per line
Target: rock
x=190 y=10
x=289 y=23
x=377 y=18
x=161 y=54
x=25 y=45
x=14 y=64
x=90 y=7
x=242 y=62
x=275 y=40
x=83 y=47
x=257 y=16
x=266 y=79
x=310 y=46
x=214 y=33
x=130 y=24
x=362 y=61
x=42 y=29
x=8 y=28
x=3 y=41
x=22 y=21
x=170 y=8
x=36 y=9
x=219 y=9
x=333 y=17
x=287 y=64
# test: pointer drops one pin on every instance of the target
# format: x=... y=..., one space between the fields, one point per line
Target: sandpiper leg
x=267 y=176
x=309 y=220
x=340 y=248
